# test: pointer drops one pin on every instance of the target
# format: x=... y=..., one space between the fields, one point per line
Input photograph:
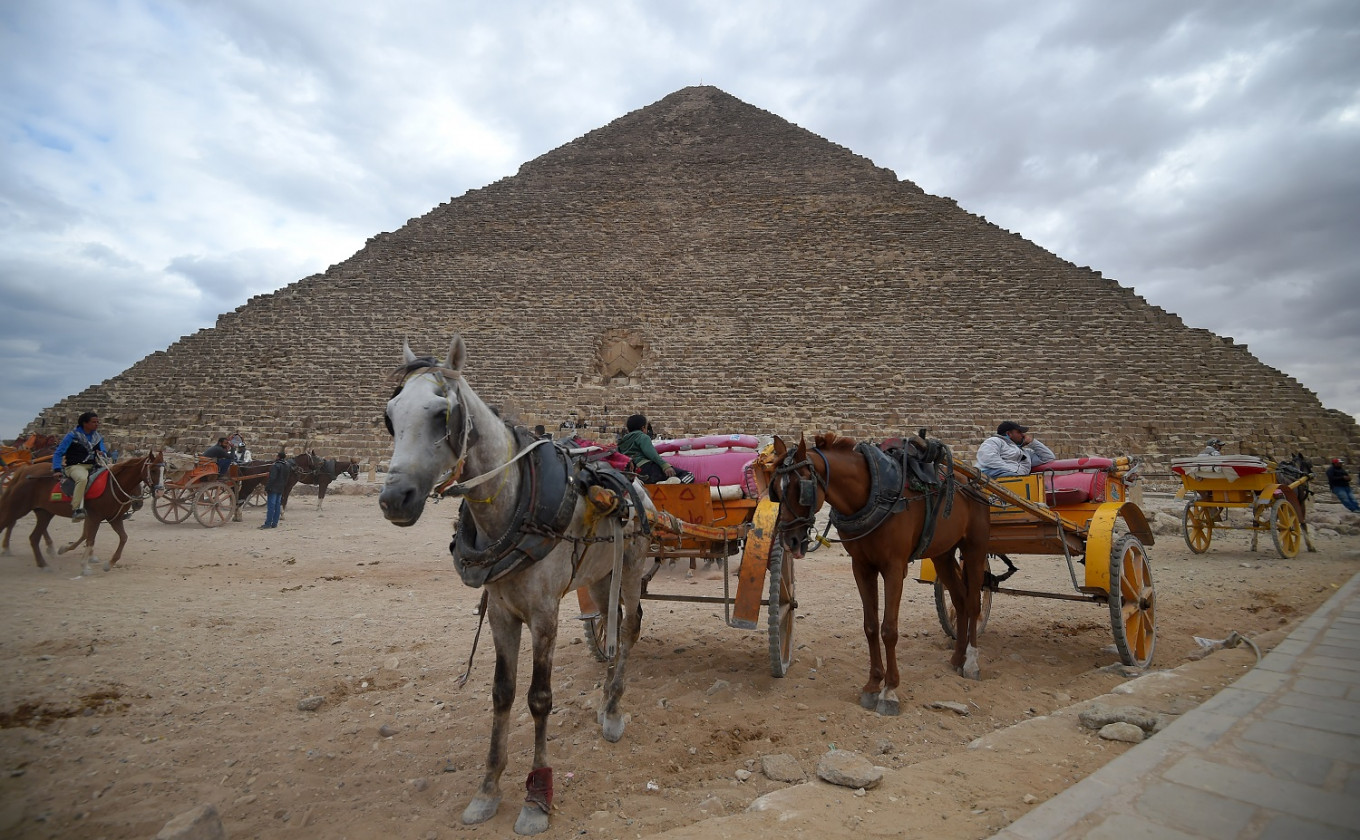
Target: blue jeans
x=273 y=509
x=1346 y=497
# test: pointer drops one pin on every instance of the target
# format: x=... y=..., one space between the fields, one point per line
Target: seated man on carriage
x=636 y=443
x=78 y=454
x=221 y=453
x=1011 y=451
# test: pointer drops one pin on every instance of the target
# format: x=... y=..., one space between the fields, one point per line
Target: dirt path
x=133 y=696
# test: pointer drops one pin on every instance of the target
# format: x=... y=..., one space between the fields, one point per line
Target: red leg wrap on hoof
x=539 y=787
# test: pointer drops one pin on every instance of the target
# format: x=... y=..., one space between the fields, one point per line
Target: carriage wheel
x=944 y=608
x=1133 y=602
x=258 y=497
x=1285 y=528
x=214 y=504
x=173 y=505
x=1198 y=524
x=782 y=604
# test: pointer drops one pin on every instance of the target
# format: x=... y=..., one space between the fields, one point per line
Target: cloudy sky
x=164 y=160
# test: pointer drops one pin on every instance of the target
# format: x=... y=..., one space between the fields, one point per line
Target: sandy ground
x=132 y=696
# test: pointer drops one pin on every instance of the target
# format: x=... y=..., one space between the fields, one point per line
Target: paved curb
x=1274 y=755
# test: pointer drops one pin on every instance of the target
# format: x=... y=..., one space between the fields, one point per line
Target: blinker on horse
x=523 y=536
x=889 y=511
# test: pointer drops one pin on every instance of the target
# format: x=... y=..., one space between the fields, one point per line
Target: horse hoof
x=479 y=810
x=889 y=708
x=868 y=700
x=108 y=567
x=531 y=820
x=613 y=727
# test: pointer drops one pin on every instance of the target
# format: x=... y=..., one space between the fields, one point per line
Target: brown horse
x=32 y=489
x=312 y=469
x=886 y=517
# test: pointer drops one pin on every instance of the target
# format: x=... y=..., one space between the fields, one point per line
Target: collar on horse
x=543 y=510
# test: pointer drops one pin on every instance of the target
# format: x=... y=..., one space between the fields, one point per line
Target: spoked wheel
x=214 y=504
x=1133 y=602
x=173 y=505
x=258 y=497
x=944 y=607
x=783 y=602
x=1198 y=523
x=1285 y=528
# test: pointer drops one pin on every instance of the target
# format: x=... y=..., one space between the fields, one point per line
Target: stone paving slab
x=1274 y=755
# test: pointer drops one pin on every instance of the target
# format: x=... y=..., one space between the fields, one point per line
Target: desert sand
x=174 y=680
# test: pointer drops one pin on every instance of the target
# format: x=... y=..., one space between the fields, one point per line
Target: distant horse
x=528 y=536
x=314 y=470
x=33 y=487
x=887 y=514
x=1287 y=472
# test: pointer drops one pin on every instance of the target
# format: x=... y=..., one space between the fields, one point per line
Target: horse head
x=432 y=430
x=800 y=491
x=353 y=469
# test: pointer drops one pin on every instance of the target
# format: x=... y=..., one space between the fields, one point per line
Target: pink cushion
x=721 y=468
x=1075 y=464
x=1074 y=488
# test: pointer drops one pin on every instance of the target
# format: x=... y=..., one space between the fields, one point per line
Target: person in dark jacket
x=76 y=456
x=1340 y=482
x=650 y=466
x=220 y=453
x=273 y=488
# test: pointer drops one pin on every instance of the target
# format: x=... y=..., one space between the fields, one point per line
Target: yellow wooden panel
x=755 y=561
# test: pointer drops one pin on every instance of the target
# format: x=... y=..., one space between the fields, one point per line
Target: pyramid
x=719 y=269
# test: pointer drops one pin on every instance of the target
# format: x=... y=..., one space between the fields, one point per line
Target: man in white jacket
x=1011 y=451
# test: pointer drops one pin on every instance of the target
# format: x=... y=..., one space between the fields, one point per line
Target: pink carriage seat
x=1074 y=481
x=723 y=468
x=1064 y=464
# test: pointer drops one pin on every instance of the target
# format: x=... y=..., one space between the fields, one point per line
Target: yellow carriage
x=1214 y=484
x=1080 y=509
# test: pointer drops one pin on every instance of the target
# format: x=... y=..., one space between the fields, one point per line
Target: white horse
x=525 y=535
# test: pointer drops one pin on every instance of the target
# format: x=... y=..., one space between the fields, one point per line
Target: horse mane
x=833 y=441
x=420 y=364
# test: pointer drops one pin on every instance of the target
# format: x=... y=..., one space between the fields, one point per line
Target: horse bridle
x=445 y=377
x=788 y=469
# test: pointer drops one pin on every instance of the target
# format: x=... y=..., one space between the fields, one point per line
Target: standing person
x=651 y=467
x=273 y=488
x=78 y=454
x=221 y=453
x=1011 y=451
x=1340 y=482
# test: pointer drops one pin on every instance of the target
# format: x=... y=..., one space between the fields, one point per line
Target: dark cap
x=1010 y=426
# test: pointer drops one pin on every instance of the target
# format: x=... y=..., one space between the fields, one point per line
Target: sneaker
x=78 y=514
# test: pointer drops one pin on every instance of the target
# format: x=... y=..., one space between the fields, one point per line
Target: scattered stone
x=743 y=775
x=387 y=731
x=884 y=746
x=422 y=784
x=720 y=685
x=1098 y=715
x=1121 y=731
x=782 y=768
x=202 y=823
x=712 y=806
x=310 y=704
x=956 y=708
x=848 y=769
x=1030 y=799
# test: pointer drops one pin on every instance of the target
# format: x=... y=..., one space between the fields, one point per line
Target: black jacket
x=278 y=477
x=1337 y=476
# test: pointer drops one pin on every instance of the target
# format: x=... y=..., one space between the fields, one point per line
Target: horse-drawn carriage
x=1071 y=508
x=209 y=497
x=726 y=512
x=1214 y=484
x=22 y=452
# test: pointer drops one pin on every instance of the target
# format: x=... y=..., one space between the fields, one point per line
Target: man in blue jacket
x=76 y=456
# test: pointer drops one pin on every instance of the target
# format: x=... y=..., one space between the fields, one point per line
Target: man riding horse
x=78 y=454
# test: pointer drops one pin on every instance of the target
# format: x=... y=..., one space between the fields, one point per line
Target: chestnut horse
x=884 y=526
x=32 y=489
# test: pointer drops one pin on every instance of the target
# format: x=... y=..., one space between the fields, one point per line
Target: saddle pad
x=94 y=490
